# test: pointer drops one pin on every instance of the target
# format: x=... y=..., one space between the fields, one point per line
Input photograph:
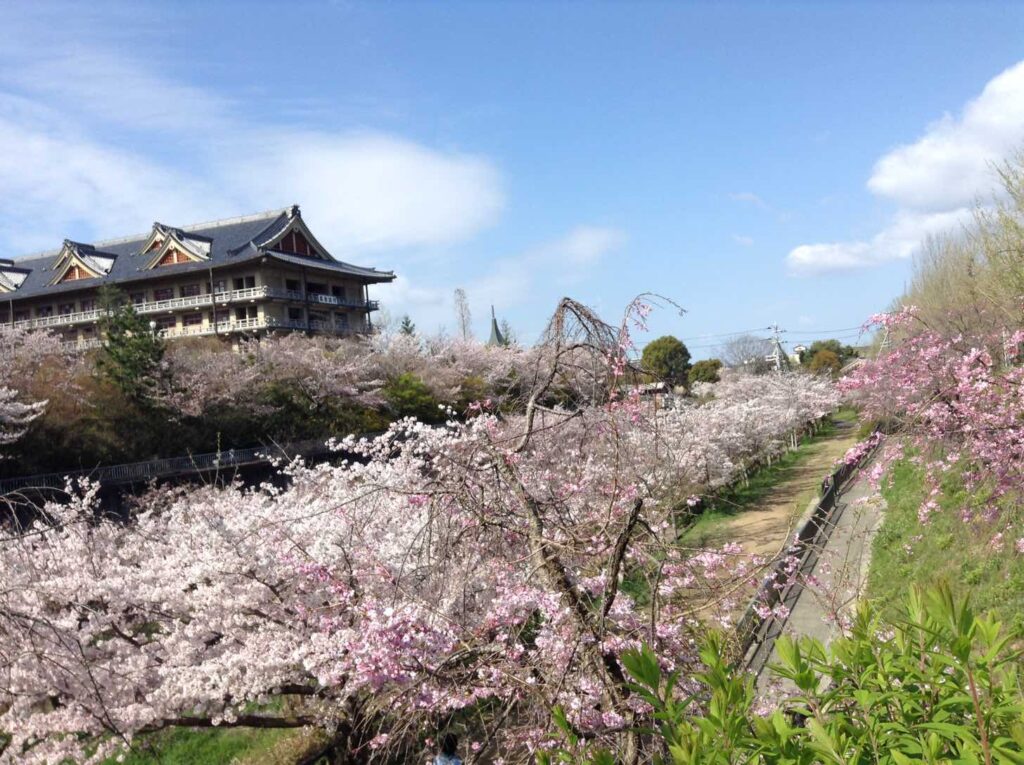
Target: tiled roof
x=231 y=243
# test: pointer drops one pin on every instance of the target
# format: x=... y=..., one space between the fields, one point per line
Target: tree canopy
x=668 y=359
x=843 y=353
x=706 y=371
x=825 y=360
x=132 y=351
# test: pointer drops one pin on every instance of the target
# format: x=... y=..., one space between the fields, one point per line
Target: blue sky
x=755 y=162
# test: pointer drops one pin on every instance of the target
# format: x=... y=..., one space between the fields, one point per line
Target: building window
x=66 y=309
x=20 y=315
x=244 y=282
x=166 y=322
x=295 y=314
x=316 y=288
x=341 y=320
x=246 y=312
x=44 y=311
x=292 y=285
x=192 y=319
x=220 y=285
x=190 y=290
x=164 y=293
x=222 y=317
x=138 y=298
x=88 y=331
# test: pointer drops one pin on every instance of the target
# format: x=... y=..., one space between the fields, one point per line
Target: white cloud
x=933 y=181
x=371 y=191
x=584 y=244
x=80 y=150
x=549 y=266
x=750 y=198
x=108 y=88
x=51 y=181
x=901 y=239
x=536 y=275
x=743 y=241
x=950 y=166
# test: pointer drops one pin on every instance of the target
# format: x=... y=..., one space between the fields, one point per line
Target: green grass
x=742 y=497
x=907 y=552
x=200 y=747
x=705 y=529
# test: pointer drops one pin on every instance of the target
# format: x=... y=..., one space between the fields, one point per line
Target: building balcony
x=250 y=294
x=233 y=326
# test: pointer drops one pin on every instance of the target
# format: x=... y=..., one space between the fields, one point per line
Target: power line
x=826 y=331
x=726 y=334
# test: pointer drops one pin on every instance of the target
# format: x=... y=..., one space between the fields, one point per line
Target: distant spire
x=496 y=337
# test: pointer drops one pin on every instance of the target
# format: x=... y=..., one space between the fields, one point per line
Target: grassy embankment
x=907 y=552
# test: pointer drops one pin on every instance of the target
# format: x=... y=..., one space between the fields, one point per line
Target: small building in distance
x=254 y=274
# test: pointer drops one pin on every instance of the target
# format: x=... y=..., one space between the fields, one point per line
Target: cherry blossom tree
x=485 y=570
x=16 y=416
x=25 y=355
x=956 y=397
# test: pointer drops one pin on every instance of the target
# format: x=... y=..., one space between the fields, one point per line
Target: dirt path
x=764 y=528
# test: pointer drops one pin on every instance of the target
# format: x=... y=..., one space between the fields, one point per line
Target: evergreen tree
x=132 y=351
x=511 y=338
x=407 y=327
x=667 y=359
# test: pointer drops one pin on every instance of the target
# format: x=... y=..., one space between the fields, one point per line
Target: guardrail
x=753 y=631
x=138 y=472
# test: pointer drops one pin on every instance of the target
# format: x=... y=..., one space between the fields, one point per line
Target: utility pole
x=778 y=356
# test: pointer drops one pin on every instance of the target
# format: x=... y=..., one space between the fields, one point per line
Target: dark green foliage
x=843 y=353
x=705 y=371
x=666 y=359
x=825 y=361
x=408 y=396
x=936 y=684
x=407 y=327
x=132 y=351
x=471 y=390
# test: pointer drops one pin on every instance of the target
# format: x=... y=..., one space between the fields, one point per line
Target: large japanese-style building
x=259 y=273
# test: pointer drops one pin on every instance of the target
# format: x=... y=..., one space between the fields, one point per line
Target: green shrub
x=938 y=684
x=408 y=396
x=705 y=371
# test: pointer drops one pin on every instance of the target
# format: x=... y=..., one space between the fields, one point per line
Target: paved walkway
x=838 y=571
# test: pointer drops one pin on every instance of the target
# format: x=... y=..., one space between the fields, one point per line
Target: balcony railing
x=233 y=325
x=200 y=301
x=323 y=298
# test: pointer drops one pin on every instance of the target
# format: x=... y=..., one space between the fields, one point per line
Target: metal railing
x=199 y=301
x=138 y=472
x=230 y=326
x=755 y=632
